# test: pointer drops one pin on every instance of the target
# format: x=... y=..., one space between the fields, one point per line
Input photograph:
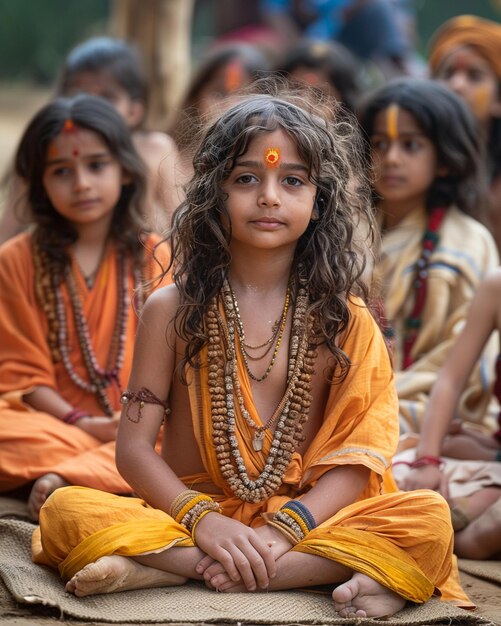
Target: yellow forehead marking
x=392 y=121
x=481 y=101
x=272 y=157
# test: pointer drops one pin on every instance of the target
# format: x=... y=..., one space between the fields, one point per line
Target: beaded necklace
x=277 y=334
x=224 y=388
x=100 y=377
x=49 y=282
x=413 y=322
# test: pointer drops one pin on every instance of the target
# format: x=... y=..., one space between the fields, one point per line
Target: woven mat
x=193 y=603
x=10 y=507
x=488 y=570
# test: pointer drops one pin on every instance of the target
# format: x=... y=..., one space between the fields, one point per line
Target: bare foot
x=482 y=538
x=41 y=490
x=119 y=573
x=362 y=596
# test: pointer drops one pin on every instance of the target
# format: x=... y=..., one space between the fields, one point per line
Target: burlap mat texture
x=32 y=584
x=487 y=570
x=11 y=507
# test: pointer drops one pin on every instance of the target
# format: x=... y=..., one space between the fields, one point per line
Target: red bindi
x=272 y=157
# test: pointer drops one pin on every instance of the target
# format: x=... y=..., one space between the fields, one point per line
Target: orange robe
x=402 y=540
x=33 y=443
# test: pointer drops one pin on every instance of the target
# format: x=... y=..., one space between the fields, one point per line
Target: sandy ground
x=17 y=105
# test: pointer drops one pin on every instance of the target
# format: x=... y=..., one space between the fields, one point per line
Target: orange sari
x=34 y=443
x=402 y=540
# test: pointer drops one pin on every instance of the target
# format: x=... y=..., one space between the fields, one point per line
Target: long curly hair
x=329 y=255
x=53 y=233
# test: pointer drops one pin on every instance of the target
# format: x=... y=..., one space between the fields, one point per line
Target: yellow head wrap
x=484 y=36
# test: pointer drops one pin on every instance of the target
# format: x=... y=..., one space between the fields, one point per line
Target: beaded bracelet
x=190 y=506
x=302 y=510
x=427 y=460
x=180 y=500
x=293 y=520
x=286 y=530
x=74 y=415
x=194 y=524
x=191 y=519
x=141 y=397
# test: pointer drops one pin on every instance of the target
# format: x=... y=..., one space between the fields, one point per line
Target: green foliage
x=432 y=13
x=35 y=35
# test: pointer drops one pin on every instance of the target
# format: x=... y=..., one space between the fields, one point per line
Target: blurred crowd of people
x=431 y=132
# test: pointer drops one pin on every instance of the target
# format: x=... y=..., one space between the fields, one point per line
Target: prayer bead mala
x=413 y=321
x=49 y=281
x=291 y=413
x=45 y=275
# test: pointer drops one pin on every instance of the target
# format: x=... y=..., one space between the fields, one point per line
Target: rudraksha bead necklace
x=290 y=415
x=49 y=280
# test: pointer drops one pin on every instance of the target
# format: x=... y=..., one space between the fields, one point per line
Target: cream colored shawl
x=465 y=252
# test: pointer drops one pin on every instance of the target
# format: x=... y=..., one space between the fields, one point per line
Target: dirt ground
x=17 y=104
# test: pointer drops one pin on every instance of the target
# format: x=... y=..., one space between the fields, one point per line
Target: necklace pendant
x=257 y=441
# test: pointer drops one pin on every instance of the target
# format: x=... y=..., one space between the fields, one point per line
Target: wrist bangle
x=293 y=520
x=190 y=506
x=427 y=460
x=302 y=510
x=73 y=416
x=292 y=537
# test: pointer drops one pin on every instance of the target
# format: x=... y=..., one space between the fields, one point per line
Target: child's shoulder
x=491 y=284
x=17 y=246
x=16 y=262
x=153 y=142
x=360 y=313
x=459 y=223
x=466 y=238
x=162 y=302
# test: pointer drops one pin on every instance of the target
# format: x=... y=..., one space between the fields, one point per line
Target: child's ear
x=126 y=178
x=318 y=207
x=136 y=113
x=496 y=106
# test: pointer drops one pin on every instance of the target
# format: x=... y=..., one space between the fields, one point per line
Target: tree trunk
x=161 y=29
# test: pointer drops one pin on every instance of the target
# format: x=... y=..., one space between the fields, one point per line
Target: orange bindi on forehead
x=392 y=121
x=481 y=100
x=69 y=129
x=272 y=157
x=234 y=76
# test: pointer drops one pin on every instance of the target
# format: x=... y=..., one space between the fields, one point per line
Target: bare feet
x=41 y=490
x=110 y=574
x=362 y=596
x=482 y=538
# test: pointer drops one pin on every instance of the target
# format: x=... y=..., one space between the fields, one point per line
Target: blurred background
x=172 y=35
